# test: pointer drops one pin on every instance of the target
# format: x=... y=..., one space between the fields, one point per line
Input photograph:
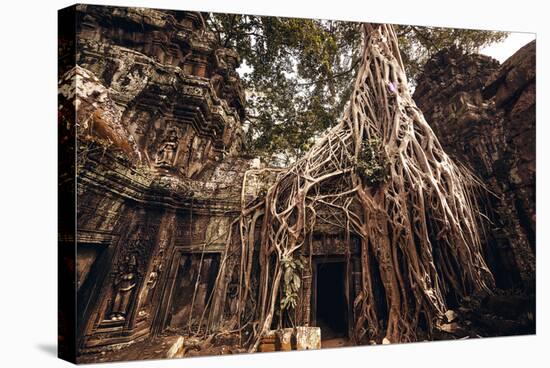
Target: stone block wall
x=490 y=126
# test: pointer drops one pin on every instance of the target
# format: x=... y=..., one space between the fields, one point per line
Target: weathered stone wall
x=145 y=86
x=158 y=121
x=158 y=124
x=484 y=114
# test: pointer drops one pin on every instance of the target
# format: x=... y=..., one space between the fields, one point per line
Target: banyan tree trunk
x=382 y=175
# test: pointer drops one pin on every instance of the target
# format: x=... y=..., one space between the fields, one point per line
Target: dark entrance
x=331 y=305
x=90 y=261
x=194 y=283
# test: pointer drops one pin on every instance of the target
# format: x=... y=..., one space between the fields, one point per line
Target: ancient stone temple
x=159 y=177
x=159 y=113
x=157 y=109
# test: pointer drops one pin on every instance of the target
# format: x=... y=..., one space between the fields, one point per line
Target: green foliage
x=298 y=73
x=372 y=163
x=292 y=268
x=418 y=44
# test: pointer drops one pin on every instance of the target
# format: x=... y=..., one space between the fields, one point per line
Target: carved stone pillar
x=306 y=294
x=153 y=285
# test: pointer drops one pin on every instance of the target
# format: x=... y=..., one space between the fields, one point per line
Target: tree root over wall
x=381 y=175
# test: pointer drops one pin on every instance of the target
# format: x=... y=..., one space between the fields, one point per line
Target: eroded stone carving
x=226 y=80
x=149 y=288
x=167 y=151
x=124 y=286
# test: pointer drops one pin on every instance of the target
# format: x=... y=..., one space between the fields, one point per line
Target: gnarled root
x=418 y=224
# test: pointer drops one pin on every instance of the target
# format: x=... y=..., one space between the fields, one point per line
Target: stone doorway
x=91 y=263
x=331 y=302
x=193 y=278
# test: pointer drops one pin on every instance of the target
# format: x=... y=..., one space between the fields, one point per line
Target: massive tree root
x=381 y=175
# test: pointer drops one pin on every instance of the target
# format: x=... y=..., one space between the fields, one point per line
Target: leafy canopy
x=298 y=73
